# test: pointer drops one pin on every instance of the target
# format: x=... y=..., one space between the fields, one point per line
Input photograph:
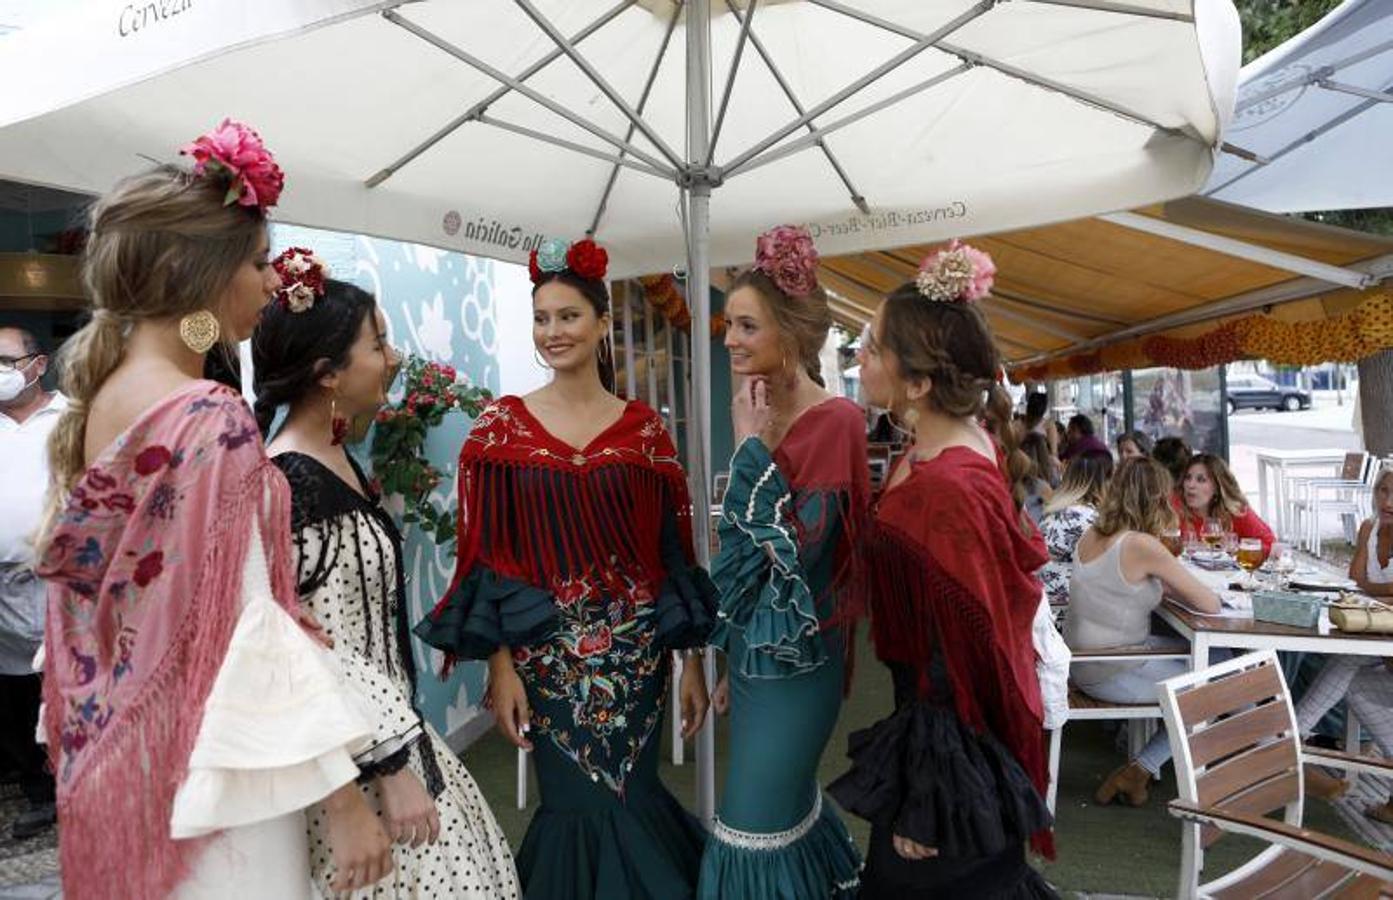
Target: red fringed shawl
x=951 y=568
x=823 y=458
x=540 y=511
x=144 y=572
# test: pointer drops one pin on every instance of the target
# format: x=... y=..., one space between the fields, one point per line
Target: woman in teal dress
x=575 y=580
x=799 y=483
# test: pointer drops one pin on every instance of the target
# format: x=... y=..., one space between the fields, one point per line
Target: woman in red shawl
x=952 y=782
x=575 y=580
x=189 y=717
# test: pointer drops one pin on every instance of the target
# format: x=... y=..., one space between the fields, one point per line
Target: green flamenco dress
x=580 y=561
x=785 y=574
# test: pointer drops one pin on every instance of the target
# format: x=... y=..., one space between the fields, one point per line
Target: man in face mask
x=28 y=413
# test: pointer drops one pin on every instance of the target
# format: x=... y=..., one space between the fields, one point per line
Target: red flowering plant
x=431 y=391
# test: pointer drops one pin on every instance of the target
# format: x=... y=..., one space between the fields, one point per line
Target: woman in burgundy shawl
x=952 y=782
x=190 y=718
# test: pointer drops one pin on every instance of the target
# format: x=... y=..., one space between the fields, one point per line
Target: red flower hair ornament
x=302 y=278
x=235 y=153
x=585 y=259
x=786 y=254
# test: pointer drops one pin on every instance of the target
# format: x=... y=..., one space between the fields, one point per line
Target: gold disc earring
x=199 y=331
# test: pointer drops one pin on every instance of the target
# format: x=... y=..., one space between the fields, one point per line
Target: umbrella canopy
x=938 y=119
x=1314 y=118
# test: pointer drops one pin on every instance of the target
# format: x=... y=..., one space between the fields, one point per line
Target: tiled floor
x=28 y=869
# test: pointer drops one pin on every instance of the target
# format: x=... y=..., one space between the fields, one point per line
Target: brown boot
x=1319 y=784
x=1129 y=781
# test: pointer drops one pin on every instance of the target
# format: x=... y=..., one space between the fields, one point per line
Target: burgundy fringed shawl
x=144 y=574
x=951 y=568
x=599 y=512
x=823 y=458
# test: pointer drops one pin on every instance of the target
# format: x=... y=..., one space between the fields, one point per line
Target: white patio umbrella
x=1314 y=118
x=482 y=126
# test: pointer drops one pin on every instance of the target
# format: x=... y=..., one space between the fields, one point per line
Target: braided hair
x=291 y=351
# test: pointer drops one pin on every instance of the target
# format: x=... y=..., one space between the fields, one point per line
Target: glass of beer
x=1212 y=533
x=1172 y=541
x=1249 y=556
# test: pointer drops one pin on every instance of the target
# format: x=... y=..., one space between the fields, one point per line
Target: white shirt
x=24 y=448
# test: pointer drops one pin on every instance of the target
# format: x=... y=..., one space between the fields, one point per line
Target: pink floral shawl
x=144 y=577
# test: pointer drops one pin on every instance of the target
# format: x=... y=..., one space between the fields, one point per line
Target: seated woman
x=1041 y=478
x=1121 y=569
x=1133 y=443
x=1209 y=491
x=1365 y=683
x=1068 y=514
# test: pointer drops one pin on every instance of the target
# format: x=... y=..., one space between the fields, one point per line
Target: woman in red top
x=1209 y=491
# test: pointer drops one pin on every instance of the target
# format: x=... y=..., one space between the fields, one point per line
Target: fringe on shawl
x=115 y=822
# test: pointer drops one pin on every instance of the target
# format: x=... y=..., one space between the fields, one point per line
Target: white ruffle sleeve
x=281 y=725
x=1052 y=658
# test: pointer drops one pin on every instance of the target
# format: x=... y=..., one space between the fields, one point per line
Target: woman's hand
x=361 y=851
x=720 y=700
x=750 y=414
x=692 y=692
x=908 y=849
x=408 y=810
x=508 y=699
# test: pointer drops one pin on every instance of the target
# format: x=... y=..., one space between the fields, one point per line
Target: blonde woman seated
x=1121 y=570
x=1068 y=514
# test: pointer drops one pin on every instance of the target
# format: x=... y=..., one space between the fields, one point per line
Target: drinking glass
x=1172 y=541
x=1285 y=565
x=1213 y=533
x=1249 y=557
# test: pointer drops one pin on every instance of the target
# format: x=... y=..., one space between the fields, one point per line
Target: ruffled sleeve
x=280 y=727
x=764 y=589
x=929 y=778
x=686 y=603
x=485 y=610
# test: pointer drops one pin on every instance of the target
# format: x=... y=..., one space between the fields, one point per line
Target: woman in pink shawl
x=190 y=717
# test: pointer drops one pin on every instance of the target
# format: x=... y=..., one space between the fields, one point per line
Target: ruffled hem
x=819 y=863
x=685 y=609
x=648 y=848
x=928 y=776
x=485 y=610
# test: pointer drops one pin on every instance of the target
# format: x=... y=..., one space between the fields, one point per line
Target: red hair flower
x=302 y=277
x=588 y=260
x=786 y=254
x=235 y=152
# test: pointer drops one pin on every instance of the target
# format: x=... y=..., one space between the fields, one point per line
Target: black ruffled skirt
x=924 y=775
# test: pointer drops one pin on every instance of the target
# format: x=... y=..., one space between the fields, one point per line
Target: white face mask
x=12 y=383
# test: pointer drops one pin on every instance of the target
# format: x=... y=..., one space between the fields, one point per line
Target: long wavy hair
x=1137 y=499
x=1084 y=482
x=1228 y=500
x=160 y=245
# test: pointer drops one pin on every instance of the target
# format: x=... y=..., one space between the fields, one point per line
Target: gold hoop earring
x=199 y=331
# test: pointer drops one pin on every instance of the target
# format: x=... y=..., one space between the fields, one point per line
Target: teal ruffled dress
x=579 y=560
x=785 y=575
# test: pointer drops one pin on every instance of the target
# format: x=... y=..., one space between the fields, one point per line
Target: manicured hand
x=750 y=413
x=361 y=851
x=692 y=692
x=407 y=809
x=508 y=699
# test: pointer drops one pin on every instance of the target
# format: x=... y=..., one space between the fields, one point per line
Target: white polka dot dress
x=348 y=566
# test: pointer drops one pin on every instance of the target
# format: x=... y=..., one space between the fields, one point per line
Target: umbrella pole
x=699 y=294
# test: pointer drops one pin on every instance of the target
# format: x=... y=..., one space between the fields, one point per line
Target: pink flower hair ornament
x=958 y=273
x=235 y=153
x=786 y=254
x=302 y=278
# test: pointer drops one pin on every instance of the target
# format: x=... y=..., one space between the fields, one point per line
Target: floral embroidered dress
x=959 y=765
x=351 y=578
x=1062 y=529
x=580 y=560
x=189 y=718
x=787 y=576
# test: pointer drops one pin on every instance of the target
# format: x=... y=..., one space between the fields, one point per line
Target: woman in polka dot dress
x=326 y=361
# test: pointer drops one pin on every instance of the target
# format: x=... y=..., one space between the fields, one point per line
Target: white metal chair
x=1085 y=708
x=1310 y=496
x=1238 y=757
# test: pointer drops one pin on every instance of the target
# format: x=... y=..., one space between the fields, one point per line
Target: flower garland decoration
x=959 y=273
x=430 y=392
x=787 y=255
x=585 y=259
x=235 y=153
x=302 y=277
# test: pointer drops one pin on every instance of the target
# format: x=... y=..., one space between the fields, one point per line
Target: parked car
x=1256 y=392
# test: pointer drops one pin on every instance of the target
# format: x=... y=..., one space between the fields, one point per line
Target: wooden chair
x=1238 y=757
x=1085 y=708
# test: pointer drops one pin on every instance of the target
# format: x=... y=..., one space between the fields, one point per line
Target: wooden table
x=1278 y=461
x=1206 y=632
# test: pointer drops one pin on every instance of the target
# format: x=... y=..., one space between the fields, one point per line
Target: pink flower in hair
x=234 y=151
x=959 y=273
x=786 y=254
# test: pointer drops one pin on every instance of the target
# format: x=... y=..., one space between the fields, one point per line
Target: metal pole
x=699 y=296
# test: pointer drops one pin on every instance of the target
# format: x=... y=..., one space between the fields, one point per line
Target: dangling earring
x=338 y=425
x=911 y=418
x=199 y=331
